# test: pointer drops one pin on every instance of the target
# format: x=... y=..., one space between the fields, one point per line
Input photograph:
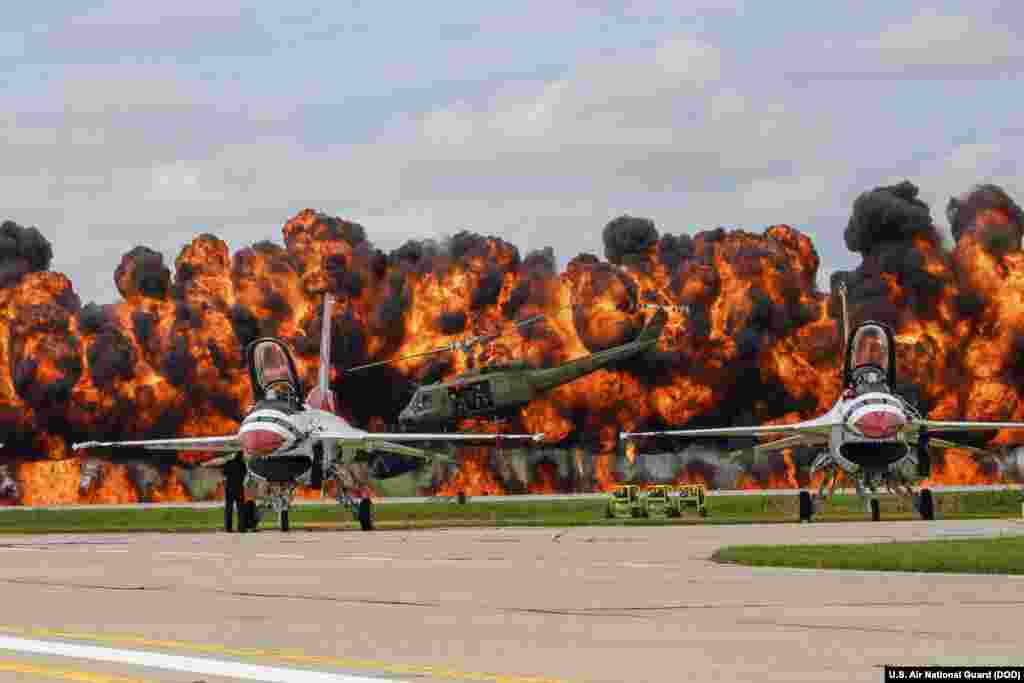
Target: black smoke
x=142 y=272
x=628 y=239
x=22 y=251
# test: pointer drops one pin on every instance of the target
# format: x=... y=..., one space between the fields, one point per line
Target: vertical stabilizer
x=325 y=345
x=321 y=396
x=846 y=315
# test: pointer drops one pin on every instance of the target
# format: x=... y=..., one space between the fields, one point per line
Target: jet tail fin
x=325 y=344
x=846 y=316
x=321 y=396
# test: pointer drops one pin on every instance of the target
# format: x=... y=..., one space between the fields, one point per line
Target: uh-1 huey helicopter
x=871 y=434
x=497 y=389
x=286 y=441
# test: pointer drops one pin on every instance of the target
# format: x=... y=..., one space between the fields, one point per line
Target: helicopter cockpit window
x=423 y=402
x=273 y=370
x=871 y=347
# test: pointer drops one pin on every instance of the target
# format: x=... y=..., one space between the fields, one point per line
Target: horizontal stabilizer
x=943 y=443
x=777 y=445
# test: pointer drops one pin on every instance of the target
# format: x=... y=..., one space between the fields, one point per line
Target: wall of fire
x=750 y=338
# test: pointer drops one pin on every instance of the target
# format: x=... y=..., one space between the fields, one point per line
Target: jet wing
x=940 y=426
x=379 y=441
x=727 y=432
x=220 y=444
x=402 y=436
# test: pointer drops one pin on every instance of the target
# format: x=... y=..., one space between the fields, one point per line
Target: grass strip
x=481 y=513
x=999 y=555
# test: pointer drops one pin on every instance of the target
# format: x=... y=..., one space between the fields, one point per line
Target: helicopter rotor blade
x=393 y=360
x=465 y=345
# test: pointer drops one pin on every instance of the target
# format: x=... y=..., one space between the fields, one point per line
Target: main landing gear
x=828 y=487
x=923 y=503
x=362 y=509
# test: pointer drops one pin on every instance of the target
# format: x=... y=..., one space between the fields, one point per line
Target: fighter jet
x=872 y=434
x=287 y=441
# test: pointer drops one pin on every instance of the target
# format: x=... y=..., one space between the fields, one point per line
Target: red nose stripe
x=261 y=441
x=879 y=424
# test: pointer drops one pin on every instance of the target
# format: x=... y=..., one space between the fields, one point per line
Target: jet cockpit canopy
x=871 y=358
x=871 y=347
x=272 y=370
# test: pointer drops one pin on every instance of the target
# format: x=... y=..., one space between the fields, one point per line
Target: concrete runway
x=598 y=604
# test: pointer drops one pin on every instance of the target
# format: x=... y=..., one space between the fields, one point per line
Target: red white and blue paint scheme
x=871 y=434
x=287 y=441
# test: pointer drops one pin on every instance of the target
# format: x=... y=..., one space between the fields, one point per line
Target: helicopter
x=501 y=387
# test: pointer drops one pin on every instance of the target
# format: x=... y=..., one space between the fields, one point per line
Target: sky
x=537 y=122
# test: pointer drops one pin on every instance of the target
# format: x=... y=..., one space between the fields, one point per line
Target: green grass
x=480 y=512
x=1002 y=555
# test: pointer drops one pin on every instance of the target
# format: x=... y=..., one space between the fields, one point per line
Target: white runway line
x=197 y=665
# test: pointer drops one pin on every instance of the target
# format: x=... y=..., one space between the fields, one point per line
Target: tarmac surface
x=597 y=604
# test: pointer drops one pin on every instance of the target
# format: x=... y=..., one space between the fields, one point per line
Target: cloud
x=956 y=170
x=784 y=195
x=180 y=182
x=934 y=39
x=11 y=44
x=538 y=132
x=928 y=45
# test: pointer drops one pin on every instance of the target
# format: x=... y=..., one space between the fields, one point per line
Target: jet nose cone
x=879 y=424
x=260 y=441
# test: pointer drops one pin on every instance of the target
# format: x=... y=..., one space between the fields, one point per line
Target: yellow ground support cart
x=689 y=495
x=658 y=502
x=625 y=502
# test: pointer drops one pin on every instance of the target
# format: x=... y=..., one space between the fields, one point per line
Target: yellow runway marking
x=293 y=656
x=65 y=674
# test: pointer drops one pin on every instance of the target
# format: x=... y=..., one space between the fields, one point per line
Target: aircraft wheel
x=806 y=507
x=876 y=513
x=284 y=520
x=366 y=514
x=927 y=505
